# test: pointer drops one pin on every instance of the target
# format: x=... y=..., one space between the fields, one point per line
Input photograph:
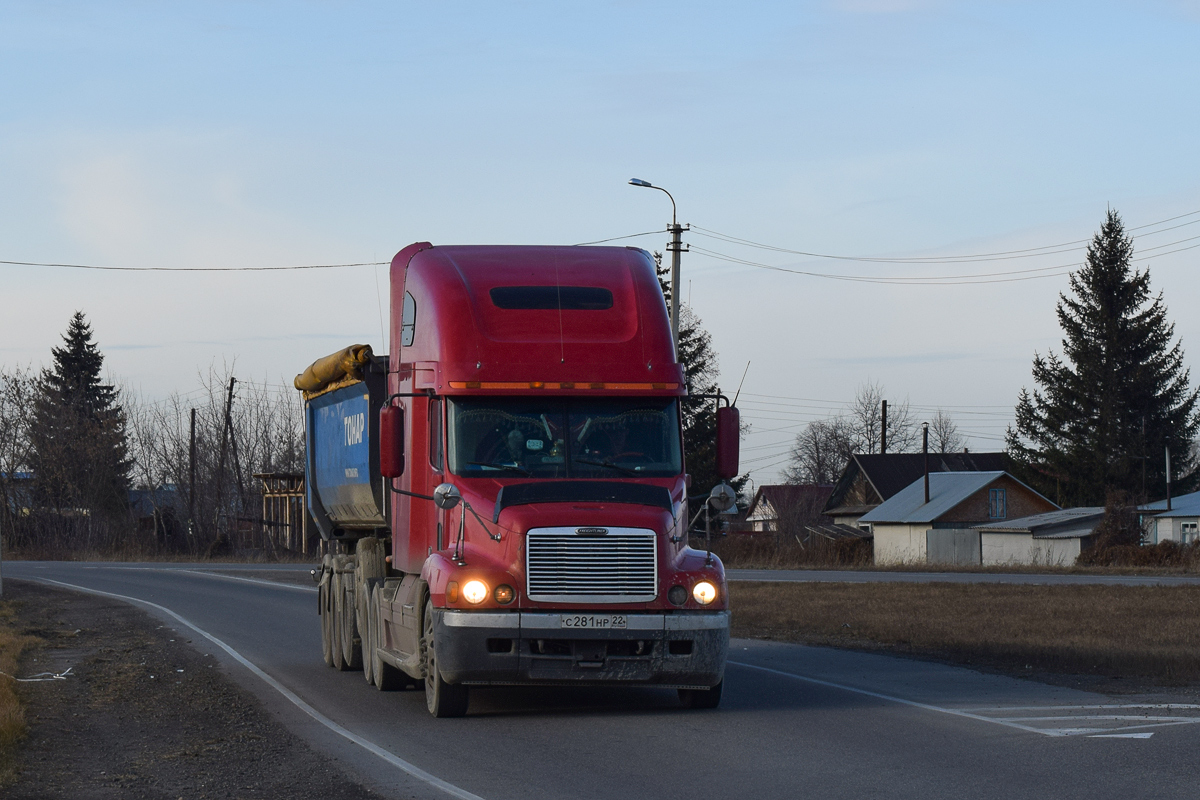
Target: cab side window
x=437 y=452
x=408 y=323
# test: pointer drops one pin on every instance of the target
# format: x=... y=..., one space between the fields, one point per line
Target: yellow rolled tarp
x=333 y=371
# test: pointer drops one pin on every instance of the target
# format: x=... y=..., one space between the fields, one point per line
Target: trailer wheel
x=441 y=698
x=347 y=655
x=385 y=677
x=701 y=698
x=367 y=629
x=327 y=628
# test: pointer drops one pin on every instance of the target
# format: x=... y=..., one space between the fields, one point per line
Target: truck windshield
x=565 y=437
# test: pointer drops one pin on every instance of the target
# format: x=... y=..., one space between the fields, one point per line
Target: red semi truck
x=505 y=497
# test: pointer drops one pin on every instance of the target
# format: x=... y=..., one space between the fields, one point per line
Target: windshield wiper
x=608 y=464
x=509 y=467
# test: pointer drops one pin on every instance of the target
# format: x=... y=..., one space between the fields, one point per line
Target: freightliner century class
x=504 y=499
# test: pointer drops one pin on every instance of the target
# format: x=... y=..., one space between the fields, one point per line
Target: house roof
x=1063 y=523
x=786 y=495
x=1186 y=505
x=889 y=473
x=946 y=490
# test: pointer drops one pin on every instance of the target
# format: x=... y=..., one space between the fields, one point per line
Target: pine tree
x=1104 y=411
x=698 y=418
x=79 y=456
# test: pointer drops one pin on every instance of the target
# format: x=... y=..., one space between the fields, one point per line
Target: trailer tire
x=385 y=677
x=441 y=698
x=327 y=628
x=369 y=565
x=701 y=698
x=347 y=656
x=368 y=632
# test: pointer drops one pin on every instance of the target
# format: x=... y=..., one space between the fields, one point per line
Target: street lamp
x=676 y=247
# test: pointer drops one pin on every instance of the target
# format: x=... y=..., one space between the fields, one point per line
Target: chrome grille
x=618 y=567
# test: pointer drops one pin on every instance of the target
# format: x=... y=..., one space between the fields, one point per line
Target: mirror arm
x=392 y=487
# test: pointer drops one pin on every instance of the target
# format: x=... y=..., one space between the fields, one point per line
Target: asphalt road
x=795 y=722
x=873 y=576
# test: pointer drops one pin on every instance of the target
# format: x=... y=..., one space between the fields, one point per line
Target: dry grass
x=12 y=718
x=1150 y=633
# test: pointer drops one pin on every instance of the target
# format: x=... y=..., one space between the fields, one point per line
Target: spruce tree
x=79 y=456
x=699 y=421
x=1118 y=395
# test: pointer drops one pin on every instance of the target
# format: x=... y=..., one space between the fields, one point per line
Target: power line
x=1002 y=255
x=616 y=238
x=194 y=269
x=949 y=280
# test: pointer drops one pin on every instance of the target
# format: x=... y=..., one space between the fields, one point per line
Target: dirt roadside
x=143 y=714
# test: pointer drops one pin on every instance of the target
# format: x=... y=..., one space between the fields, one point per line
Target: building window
x=1190 y=531
x=997 y=504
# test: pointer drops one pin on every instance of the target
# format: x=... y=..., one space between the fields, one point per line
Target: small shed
x=1055 y=538
x=871 y=479
x=1180 y=524
x=799 y=503
x=957 y=500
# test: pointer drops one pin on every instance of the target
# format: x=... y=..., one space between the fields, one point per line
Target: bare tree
x=822 y=449
x=16 y=403
x=943 y=434
x=265 y=434
x=820 y=452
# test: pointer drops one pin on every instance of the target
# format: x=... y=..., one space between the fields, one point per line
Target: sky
x=251 y=134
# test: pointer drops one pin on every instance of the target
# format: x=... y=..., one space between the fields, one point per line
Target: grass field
x=12 y=718
x=1147 y=633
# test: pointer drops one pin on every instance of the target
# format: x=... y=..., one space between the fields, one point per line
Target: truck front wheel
x=442 y=699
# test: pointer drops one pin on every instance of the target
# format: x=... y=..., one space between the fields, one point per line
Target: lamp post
x=676 y=247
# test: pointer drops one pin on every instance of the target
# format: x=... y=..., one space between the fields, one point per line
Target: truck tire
x=701 y=698
x=327 y=628
x=347 y=655
x=367 y=630
x=385 y=677
x=369 y=565
x=441 y=698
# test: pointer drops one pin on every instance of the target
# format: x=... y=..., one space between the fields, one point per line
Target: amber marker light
x=504 y=594
x=474 y=591
x=704 y=592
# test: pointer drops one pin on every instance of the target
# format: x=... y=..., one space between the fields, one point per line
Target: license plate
x=594 y=621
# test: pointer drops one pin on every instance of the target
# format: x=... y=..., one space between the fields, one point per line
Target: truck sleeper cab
x=522 y=517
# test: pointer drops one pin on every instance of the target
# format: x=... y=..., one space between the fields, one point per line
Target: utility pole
x=1168 y=452
x=192 y=473
x=883 y=428
x=226 y=432
x=925 y=451
x=675 y=246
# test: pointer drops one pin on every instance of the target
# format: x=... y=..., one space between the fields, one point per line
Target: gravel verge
x=143 y=714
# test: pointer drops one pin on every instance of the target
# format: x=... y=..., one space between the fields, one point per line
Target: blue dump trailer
x=347 y=496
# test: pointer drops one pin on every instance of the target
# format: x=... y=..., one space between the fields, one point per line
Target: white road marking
x=295 y=699
x=891 y=699
x=259 y=581
x=1001 y=715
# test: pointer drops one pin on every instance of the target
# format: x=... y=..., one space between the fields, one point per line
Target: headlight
x=504 y=594
x=704 y=592
x=474 y=591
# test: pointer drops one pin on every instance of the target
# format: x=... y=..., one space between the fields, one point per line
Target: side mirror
x=729 y=437
x=722 y=497
x=446 y=496
x=391 y=441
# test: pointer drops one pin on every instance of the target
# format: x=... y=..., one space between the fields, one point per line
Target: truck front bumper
x=682 y=649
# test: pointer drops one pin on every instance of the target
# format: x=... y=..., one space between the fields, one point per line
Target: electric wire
x=997 y=255
x=194 y=269
x=617 y=238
